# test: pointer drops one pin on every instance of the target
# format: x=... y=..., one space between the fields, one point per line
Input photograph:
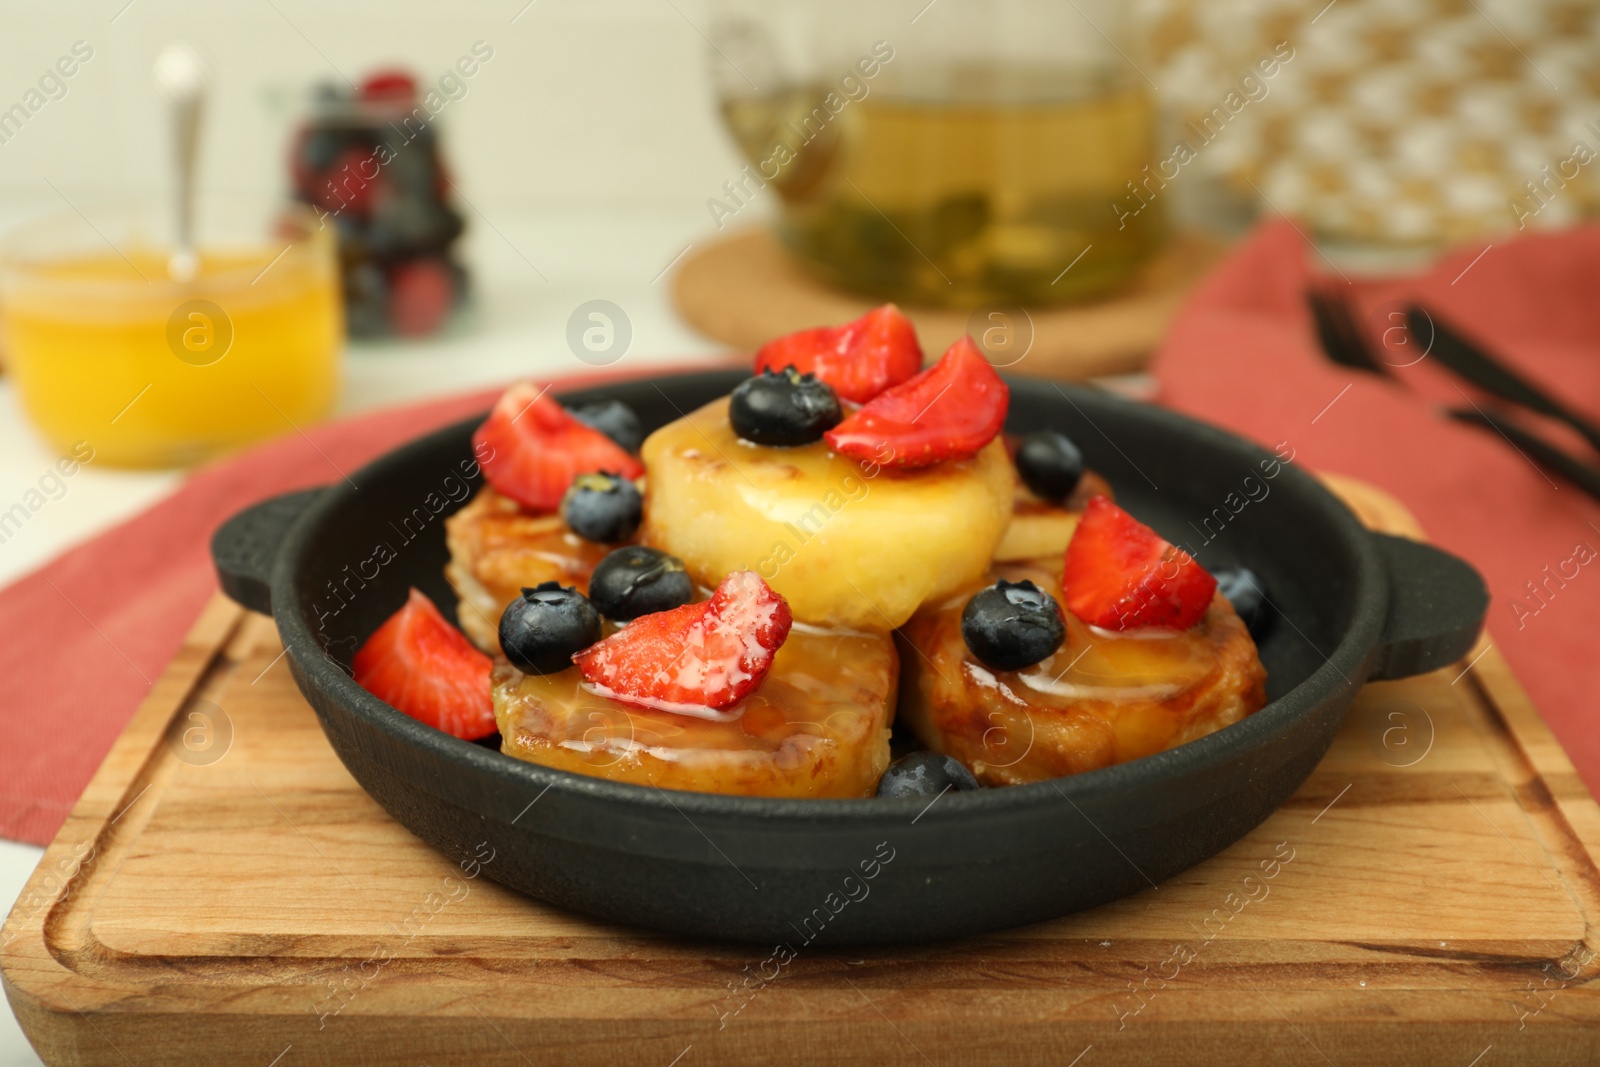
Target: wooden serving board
x=1425 y=898
x=744 y=290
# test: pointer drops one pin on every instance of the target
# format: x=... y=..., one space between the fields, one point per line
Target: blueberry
x=542 y=629
x=1245 y=591
x=414 y=172
x=352 y=233
x=405 y=225
x=1012 y=625
x=783 y=408
x=366 y=301
x=421 y=136
x=639 y=580
x=614 y=419
x=925 y=774
x=602 y=507
x=1050 y=464
x=320 y=146
x=455 y=224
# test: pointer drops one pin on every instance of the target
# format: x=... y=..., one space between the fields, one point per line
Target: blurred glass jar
x=106 y=347
x=967 y=153
x=369 y=162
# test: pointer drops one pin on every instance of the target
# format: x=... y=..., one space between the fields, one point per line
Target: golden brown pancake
x=1102 y=698
x=1040 y=528
x=497 y=549
x=817 y=727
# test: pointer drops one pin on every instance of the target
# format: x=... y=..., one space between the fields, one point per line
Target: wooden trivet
x=744 y=290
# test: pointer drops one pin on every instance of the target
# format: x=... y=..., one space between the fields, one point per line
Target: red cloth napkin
x=88 y=633
x=1243 y=354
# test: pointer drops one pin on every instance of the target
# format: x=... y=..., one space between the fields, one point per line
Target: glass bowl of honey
x=108 y=345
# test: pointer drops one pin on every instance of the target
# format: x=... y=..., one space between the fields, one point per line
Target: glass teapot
x=947 y=152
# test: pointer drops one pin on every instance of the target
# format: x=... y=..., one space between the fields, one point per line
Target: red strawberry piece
x=349 y=184
x=394 y=85
x=859 y=359
x=949 y=411
x=1120 y=574
x=531 y=448
x=420 y=665
x=707 y=655
x=422 y=293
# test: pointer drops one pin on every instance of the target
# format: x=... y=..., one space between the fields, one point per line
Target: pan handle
x=1437 y=603
x=246 y=546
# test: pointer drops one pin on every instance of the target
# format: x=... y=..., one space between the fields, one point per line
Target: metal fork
x=1344 y=343
x=1340 y=335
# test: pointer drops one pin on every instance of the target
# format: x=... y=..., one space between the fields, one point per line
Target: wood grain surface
x=224 y=893
x=744 y=290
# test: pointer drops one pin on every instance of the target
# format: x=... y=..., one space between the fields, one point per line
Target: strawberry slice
x=707 y=655
x=1120 y=574
x=859 y=359
x=422 y=293
x=531 y=448
x=420 y=665
x=348 y=183
x=394 y=85
x=949 y=411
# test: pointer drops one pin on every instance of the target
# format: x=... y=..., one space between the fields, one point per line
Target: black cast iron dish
x=1353 y=605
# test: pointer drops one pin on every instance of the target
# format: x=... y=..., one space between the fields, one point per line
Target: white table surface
x=518 y=330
